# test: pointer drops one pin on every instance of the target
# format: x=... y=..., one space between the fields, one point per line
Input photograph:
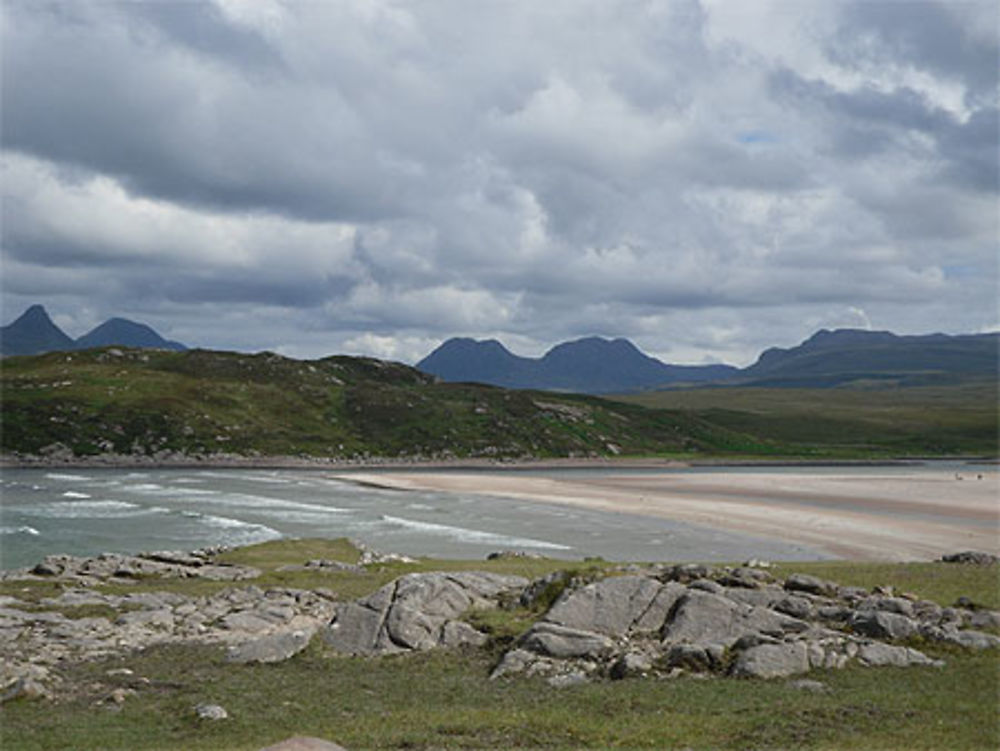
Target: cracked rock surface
x=740 y=623
x=417 y=612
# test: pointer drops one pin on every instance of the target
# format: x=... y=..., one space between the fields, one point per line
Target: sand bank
x=895 y=516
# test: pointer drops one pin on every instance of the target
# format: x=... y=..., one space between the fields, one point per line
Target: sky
x=706 y=178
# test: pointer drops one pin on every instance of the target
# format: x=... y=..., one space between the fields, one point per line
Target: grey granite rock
x=773 y=661
x=883 y=625
x=610 y=606
x=274 y=647
x=560 y=641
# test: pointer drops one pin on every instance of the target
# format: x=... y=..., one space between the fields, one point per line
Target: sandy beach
x=894 y=516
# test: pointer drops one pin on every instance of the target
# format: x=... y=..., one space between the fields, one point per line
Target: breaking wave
x=22 y=530
x=463 y=534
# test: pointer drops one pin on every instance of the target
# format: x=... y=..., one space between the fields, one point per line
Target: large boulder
x=705 y=618
x=616 y=605
x=416 y=612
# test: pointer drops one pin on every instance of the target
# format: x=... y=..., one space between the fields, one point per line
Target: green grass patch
x=445 y=701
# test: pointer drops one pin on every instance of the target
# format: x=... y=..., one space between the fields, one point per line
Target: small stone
x=304 y=743
x=629 y=665
x=567 y=680
x=210 y=712
x=119 y=695
x=806 y=684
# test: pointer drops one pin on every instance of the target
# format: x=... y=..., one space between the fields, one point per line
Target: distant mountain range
x=593 y=365
x=34 y=333
x=828 y=358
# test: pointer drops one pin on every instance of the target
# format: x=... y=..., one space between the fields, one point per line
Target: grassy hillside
x=931 y=420
x=202 y=402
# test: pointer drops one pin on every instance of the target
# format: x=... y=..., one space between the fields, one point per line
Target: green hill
x=198 y=402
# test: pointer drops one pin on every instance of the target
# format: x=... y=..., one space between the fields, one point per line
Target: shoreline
x=916 y=516
x=234 y=461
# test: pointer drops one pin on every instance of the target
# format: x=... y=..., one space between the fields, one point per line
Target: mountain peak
x=592 y=364
x=33 y=333
x=125 y=333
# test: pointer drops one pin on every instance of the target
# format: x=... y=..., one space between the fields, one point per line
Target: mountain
x=831 y=358
x=592 y=365
x=826 y=359
x=464 y=360
x=125 y=333
x=32 y=333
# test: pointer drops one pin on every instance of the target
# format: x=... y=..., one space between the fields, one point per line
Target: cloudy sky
x=366 y=176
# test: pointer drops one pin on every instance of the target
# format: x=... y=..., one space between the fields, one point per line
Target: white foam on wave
x=66 y=477
x=181 y=493
x=420 y=507
x=266 y=504
x=236 y=531
x=249 y=477
x=74 y=494
x=90 y=509
x=464 y=534
x=22 y=530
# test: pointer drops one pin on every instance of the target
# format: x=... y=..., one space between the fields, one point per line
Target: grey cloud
x=534 y=170
x=927 y=35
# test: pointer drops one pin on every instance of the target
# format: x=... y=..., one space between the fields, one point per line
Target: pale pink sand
x=866 y=516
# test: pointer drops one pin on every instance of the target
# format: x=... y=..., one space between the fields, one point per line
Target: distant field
x=954 y=419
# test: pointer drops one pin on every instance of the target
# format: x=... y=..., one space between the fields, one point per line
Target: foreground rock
x=258 y=625
x=163 y=564
x=662 y=621
x=636 y=622
x=729 y=622
x=417 y=612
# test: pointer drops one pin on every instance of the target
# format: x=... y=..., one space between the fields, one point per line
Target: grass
x=444 y=700
x=203 y=403
x=877 y=421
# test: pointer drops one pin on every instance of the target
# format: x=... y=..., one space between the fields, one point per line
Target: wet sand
x=893 y=516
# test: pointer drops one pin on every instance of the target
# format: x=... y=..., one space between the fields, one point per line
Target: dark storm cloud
x=378 y=176
x=932 y=36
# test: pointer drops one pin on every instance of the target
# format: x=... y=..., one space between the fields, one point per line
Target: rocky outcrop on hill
x=740 y=623
x=256 y=625
x=161 y=564
x=80 y=623
x=634 y=621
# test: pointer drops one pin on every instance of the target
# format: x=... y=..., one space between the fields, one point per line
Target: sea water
x=90 y=511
